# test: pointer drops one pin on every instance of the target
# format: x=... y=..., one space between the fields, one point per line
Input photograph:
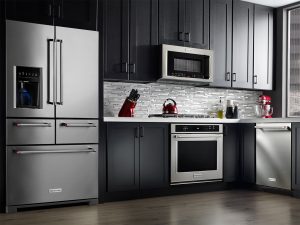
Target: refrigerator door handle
x=32 y=124
x=50 y=72
x=78 y=125
x=88 y=150
x=59 y=72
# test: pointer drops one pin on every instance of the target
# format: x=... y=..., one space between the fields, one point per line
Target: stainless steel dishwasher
x=273 y=155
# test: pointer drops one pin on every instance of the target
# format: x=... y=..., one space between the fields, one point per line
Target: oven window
x=197 y=156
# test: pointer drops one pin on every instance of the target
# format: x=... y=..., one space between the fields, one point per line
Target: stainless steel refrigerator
x=52 y=114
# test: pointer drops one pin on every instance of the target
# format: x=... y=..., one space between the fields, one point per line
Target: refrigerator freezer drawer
x=76 y=131
x=42 y=174
x=30 y=131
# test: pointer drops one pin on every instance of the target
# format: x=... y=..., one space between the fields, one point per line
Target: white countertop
x=198 y=120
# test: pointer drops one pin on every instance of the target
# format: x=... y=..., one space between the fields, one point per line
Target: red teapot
x=169 y=107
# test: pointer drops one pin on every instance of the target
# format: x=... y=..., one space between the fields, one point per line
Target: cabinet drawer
x=29 y=131
x=40 y=174
x=76 y=131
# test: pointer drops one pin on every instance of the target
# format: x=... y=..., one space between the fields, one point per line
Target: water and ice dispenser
x=28 y=87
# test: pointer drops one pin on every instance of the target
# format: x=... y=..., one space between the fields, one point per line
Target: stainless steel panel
x=30 y=131
x=27 y=45
x=53 y=173
x=77 y=81
x=273 y=155
x=76 y=131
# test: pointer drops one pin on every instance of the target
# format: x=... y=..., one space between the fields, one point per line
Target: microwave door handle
x=59 y=71
x=50 y=72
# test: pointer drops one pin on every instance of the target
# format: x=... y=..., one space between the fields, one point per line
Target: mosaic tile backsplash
x=190 y=100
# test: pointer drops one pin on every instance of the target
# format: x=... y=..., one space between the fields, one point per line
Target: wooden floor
x=215 y=208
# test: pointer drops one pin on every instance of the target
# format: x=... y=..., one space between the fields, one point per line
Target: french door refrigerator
x=52 y=115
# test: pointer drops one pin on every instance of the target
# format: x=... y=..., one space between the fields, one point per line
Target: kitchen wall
x=190 y=100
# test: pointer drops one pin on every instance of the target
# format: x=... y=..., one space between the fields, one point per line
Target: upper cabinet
x=242 y=41
x=184 y=22
x=263 y=48
x=131 y=40
x=80 y=14
x=221 y=41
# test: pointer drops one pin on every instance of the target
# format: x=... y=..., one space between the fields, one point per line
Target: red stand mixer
x=264 y=108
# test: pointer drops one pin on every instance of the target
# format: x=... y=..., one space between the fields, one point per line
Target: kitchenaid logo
x=55 y=190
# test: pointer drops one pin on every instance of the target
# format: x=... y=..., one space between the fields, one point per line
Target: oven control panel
x=196 y=128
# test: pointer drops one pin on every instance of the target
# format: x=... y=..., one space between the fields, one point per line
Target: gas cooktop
x=179 y=115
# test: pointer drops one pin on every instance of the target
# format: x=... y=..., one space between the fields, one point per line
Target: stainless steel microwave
x=183 y=64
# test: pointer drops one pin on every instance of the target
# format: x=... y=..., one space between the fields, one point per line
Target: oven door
x=196 y=158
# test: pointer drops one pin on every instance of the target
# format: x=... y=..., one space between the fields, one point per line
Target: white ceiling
x=272 y=3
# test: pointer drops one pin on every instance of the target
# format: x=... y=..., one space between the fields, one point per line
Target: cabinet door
x=144 y=52
x=154 y=165
x=77 y=14
x=197 y=24
x=122 y=157
x=242 y=54
x=296 y=157
x=220 y=41
x=231 y=152
x=248 y=153
x=77 y=77
x=34 y=11
x=171 y=22
x=263 y=48
x=116 y=39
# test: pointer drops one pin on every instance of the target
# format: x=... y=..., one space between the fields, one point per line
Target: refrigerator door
x=77 y=73
x=29 y=69
x=41 y=174
x=77 y=131
x=30 y=131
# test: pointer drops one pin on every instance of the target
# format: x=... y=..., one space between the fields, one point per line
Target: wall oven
x=196 y=153
x=187 y=64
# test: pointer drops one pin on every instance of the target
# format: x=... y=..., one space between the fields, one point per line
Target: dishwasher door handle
x=273 y=128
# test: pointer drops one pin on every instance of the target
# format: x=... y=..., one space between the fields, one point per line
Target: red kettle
x=170 y=108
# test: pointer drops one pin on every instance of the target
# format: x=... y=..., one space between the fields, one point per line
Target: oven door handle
x=202 y=136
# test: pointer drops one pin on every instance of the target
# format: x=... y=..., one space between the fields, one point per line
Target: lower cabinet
x=137 y=156
x=231 y=152
x=247 y=158
x=296 y=157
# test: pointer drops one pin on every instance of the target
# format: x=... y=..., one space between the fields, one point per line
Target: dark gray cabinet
x=242 y=45
x=130 y=40
x=242 y=40
x=296 y=158
x=184 y=22
x=231 y=152
x=263 y=48
x=221 y=41
x=80 y=14
x=247 y=157
x=137 y=156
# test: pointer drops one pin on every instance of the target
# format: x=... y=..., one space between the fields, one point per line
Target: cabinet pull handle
x=137 y=132
x=180 y=36
x=59 y=11
x=50 y=10
x=227 y=76
x=255 y=79
x=142 y=132
x=124 y=67
x=234 y=77
x=132 y=67
x=187 y=37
